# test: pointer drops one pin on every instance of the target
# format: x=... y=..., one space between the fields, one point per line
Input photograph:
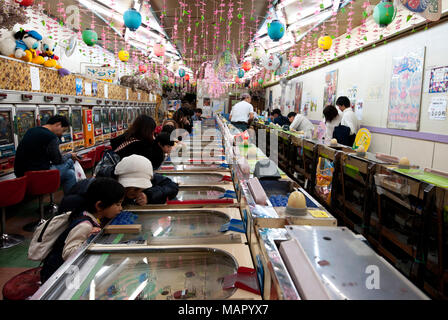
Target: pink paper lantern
x=171 y=80
x=142 y=68
x=296 y=61
x=159 y=50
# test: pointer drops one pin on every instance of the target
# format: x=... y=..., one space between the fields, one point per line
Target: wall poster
x=438 y=82
x=406 y=90
x=331 y=82
x=298 y=97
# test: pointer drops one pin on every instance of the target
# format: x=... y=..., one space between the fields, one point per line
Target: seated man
x=279 y=119
x=39 y=150
x=136 y=175
x=300 y=123
x=197 y=115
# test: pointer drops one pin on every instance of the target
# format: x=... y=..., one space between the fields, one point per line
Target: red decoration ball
x=246 y=66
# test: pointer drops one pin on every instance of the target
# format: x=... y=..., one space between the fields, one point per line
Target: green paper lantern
x=89 y=37
x=384 y=13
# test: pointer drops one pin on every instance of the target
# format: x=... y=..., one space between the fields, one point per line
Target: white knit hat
x=134 y=171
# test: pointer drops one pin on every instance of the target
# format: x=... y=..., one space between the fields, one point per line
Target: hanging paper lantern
x=123 y=55
x=296 y=61
x=159 y=50
x=175 y=66
x=257 y=53
x=181 y=72
x=25 y=3
x=142 y=68
x=260 y=81
x=276 y=30
x=240 y=73
x=187 y=77
x=89 y=37
x=325 y=42
x=132 y=19
x=384 y=13
x=246 y=66
x=237 y=80
x=171 y=80
x=165 y=78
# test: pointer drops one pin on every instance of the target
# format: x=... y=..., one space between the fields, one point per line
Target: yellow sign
x=318 y=213
x=363 y=138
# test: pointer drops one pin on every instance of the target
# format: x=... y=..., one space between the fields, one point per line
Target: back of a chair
x=12 y=191
x=42 y=182
x=99 y=153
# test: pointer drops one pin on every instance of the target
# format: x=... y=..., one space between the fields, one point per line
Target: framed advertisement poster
x=331 y=83
x=406 y=90
x=298 y=97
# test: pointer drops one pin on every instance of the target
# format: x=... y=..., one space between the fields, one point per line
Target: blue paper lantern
x=132 y=19
x=276 y=30
x=240 y=73
x=182 y=72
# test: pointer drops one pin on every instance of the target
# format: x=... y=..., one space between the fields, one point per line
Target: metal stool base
x=10 y=240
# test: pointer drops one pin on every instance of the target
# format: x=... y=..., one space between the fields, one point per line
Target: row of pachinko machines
x=192 y=247
x=227 y=235
x=93 y=121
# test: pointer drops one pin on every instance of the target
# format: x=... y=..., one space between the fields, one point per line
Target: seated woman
x=182 y=121
x=136 y=175
x=138 y=139
x=332 y=119
x=161 y=147
x=102 y=201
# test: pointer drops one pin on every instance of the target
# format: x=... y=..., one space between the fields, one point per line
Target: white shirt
x=240 y=112
x=350 y=120
x=331 y=125
x=300 y=123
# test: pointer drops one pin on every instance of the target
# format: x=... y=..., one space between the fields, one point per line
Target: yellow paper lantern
x=123 y=55
x=325 y=42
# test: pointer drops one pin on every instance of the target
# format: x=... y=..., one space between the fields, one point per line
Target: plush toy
x=47 y=46
x=27 y=42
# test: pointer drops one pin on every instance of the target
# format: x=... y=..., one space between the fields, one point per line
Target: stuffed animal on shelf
x=27 y=42
x=48 y=45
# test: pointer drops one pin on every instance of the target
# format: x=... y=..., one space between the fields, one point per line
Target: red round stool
x=23 y=285
x=12 y=192
x=40 y=183
x=88 y=160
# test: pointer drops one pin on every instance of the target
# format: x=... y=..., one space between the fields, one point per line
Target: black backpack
x=106 y=166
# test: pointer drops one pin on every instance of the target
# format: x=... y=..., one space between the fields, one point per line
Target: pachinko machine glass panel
x=198 y=178
x=175 y=227
x=193 y=273
x=66 y=139
x=113 y=122
x=45 y=113
x=120 y=121
x=26 y=119
x=131 y=116
x=78 y=134
x=125 y=115
x=7 y=146
x=97 y=125
x=105 y=118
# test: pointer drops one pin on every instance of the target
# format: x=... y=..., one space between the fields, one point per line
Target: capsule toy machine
x=25 y=118
x=87 y=120
x=77 y=128
x=45 y=113
x=97 y=125
x=105 y=119
x=113 y=122
x=66 y=144
x=7 y=145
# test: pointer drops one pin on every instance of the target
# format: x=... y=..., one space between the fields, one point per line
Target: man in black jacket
x=39 y=150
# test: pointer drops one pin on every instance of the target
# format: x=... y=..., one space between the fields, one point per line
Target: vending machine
x=25 y=118
x=45 y=113
x=7 y=146
x=87 y=120
x=66 y=139
x=77 y=128
x=105 y=119
x=113 y=122
x=97 y=125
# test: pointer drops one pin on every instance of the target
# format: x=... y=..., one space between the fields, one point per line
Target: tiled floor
x=15 y=260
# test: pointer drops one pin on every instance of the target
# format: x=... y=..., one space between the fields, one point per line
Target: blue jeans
x=67 y=173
